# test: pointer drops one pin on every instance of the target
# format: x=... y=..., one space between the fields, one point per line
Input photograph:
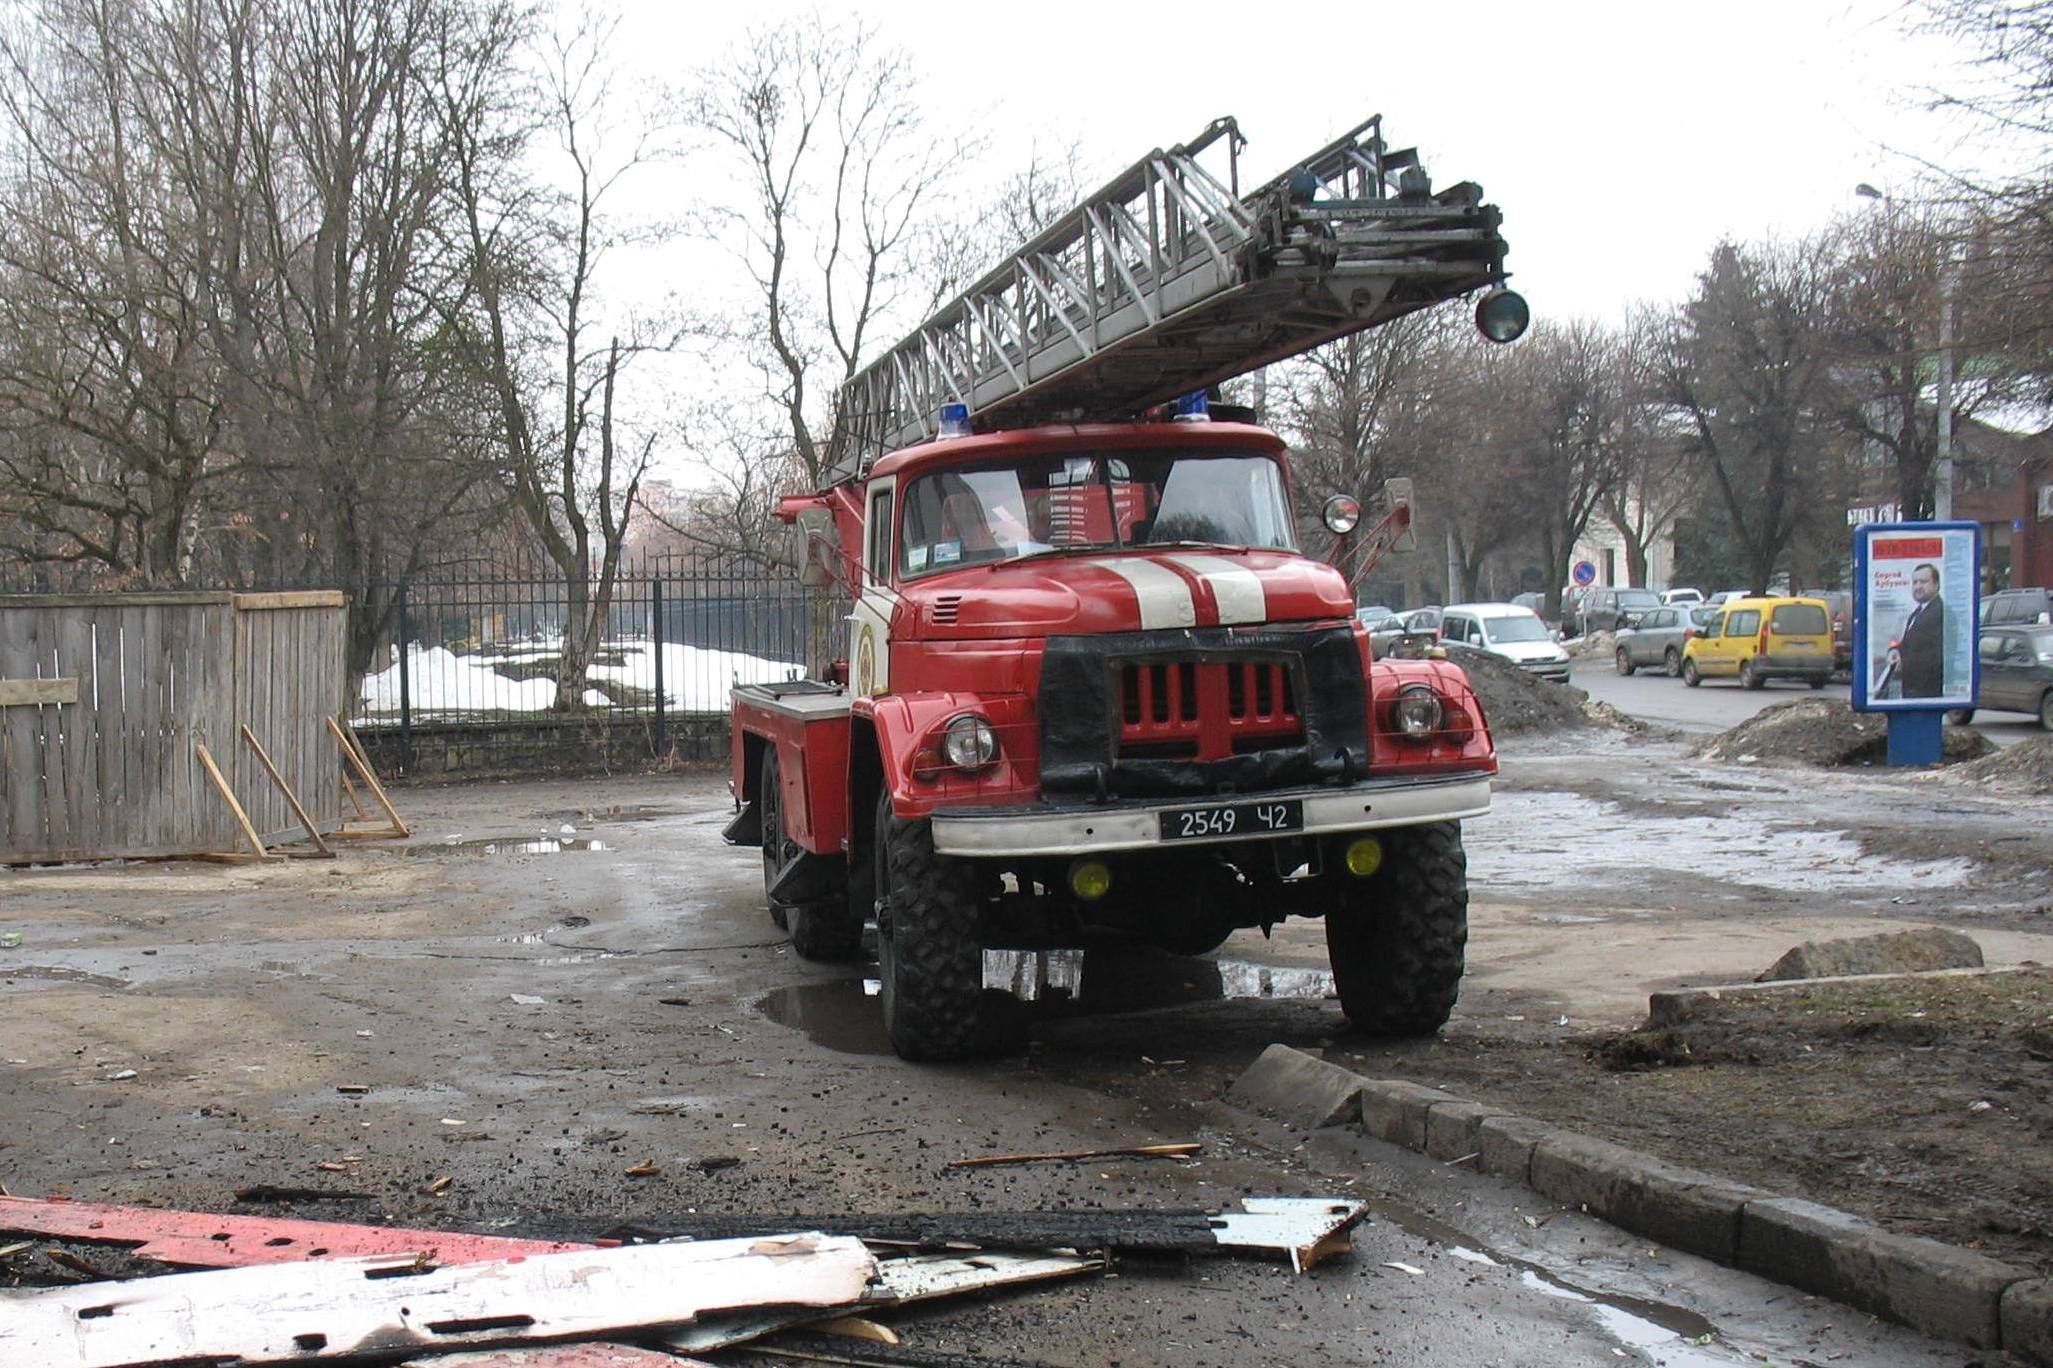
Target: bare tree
x=1743 y=364
x=530 y=328
x=1654 y=476
x=840 y=222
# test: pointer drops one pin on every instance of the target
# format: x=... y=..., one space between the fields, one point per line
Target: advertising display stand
x=1915 y=588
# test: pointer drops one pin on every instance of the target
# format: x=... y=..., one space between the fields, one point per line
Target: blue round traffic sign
x=1584 y=573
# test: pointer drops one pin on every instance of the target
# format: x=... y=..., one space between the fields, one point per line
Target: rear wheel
x=1816 y=681
x=1689 y=673
x=929 y=958
x=1960 y=717
x=770 y=804
x=1749 y=677
x=819 y=931
x=1673 y=661
x=1397 y=938
x=1625 y=665
x=2046 y=710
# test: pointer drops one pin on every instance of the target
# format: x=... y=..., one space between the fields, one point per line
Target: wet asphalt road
x=532 y=1022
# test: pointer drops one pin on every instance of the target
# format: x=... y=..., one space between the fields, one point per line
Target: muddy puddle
x=1029 y=986
x=1552 y=840
x=510 y=845
x=52 y=973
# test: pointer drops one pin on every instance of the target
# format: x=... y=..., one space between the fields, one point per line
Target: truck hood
x=1125 y=591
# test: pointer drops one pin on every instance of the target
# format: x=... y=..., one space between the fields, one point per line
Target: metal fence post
x=656 y=640
x=405 y=689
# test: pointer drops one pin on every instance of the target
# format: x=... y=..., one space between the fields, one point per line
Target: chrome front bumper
x=990 y=832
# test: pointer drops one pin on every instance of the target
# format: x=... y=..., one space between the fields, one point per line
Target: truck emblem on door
x=865 y=660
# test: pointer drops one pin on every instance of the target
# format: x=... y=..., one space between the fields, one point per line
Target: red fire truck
x=1093 y=692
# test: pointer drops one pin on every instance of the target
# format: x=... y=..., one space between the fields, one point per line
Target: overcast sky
x=1620 y=139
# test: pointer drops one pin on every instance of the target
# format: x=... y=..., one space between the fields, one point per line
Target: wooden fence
x=106 y=698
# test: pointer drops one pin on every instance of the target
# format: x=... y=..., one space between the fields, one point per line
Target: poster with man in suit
x=1917 y=615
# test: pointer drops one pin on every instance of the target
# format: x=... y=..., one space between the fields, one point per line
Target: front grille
x=1205 y=710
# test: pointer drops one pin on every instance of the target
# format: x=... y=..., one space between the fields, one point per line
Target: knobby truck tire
x=1397 y=939
x=929 y=957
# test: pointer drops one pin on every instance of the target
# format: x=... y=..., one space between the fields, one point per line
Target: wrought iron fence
x=488 y=644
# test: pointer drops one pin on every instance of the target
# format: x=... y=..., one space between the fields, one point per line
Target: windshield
x=1516 y=629
x=1638 y=598
x=971 y=515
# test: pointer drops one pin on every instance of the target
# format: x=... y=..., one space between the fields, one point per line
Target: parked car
x=1373 y=613
x=1425 y=619
x=1533 y=601
x=2017 y=607
x=1839 y=603
x=1605 y=610
x=2017 y=673
x=1507 y=630
x=1759 y=639
x=1682 y=596
x=1725 y=596
x=1655 y=640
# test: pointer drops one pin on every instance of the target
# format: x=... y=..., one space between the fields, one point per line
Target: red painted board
x=197 y=1239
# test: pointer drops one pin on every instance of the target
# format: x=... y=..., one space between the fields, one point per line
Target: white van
x=1507 y=630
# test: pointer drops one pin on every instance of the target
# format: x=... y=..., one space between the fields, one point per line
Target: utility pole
x=1942 y=470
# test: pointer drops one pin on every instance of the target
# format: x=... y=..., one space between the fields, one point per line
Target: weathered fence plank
x=98 y=758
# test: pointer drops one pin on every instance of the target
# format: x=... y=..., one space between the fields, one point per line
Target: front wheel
x=1625 y=665
x=2046 y=710
x=1397 y=938
x=929 y=958
x=1673 y=661
x=1959 y=717
x=1689 y=673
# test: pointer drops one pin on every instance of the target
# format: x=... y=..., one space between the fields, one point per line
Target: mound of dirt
x=1516 y=701
x=1824 y=733
x=2026 y=767
x=1594 y=646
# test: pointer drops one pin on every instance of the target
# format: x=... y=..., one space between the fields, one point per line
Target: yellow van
x=1758 y=639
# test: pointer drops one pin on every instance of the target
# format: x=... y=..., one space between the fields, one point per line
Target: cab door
x=869 y=623
x=1736 y=643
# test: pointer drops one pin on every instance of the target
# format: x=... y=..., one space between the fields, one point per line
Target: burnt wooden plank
x=310 y=1312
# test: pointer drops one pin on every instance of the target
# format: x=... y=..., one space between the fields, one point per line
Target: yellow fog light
x=1090 y=879
x=1364 y=856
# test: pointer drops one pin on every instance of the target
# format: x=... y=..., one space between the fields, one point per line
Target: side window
x=2015 y=649
x=880 y=537
x=2003 y=610
x=1743 y=624
x=1457 y=629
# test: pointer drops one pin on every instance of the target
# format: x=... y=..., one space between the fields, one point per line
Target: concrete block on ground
x=1507 y=1144
x=1679 y=1207
x=1395 y=1110
x=2027 y=1316
x=1299 y=1088
x=1890 y=952
x=1934 y=1287
x=1679 y=1005
x=1451 y=1129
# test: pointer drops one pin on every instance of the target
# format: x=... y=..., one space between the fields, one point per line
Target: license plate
x=1239 y=819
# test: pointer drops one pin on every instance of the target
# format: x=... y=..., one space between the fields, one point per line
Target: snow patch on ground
x=441 y=682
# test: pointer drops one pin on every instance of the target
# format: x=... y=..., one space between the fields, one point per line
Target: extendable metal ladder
x=1169 y=279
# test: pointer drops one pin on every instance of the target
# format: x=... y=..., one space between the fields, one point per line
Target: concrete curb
x=1943 y=1290
x=1679 y=1005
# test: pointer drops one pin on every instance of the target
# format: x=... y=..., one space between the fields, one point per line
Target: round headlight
x=1342 y=513
x=1502 y=315
x=969 y=743
x=1418 y=710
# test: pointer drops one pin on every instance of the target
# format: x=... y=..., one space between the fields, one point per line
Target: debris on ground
x=1892 y=952
x=2026 y=767
x=1824 y=733
x=1593 y=645
x=1516 y=700
x=308 y=1291
x=1179 y=1150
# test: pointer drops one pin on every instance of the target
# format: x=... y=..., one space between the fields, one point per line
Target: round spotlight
x=1418 y=710
x=968 y=743
x=1364 y=856
x=1090 y=879
x=1342 y=513
x=1502 y=315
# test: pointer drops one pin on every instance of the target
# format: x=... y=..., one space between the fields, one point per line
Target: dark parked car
x=1605 y=610
x=1839 y=603
x=2017 y=673
x=2018 y=607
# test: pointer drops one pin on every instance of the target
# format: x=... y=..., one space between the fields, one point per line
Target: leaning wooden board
x=308 y=1312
